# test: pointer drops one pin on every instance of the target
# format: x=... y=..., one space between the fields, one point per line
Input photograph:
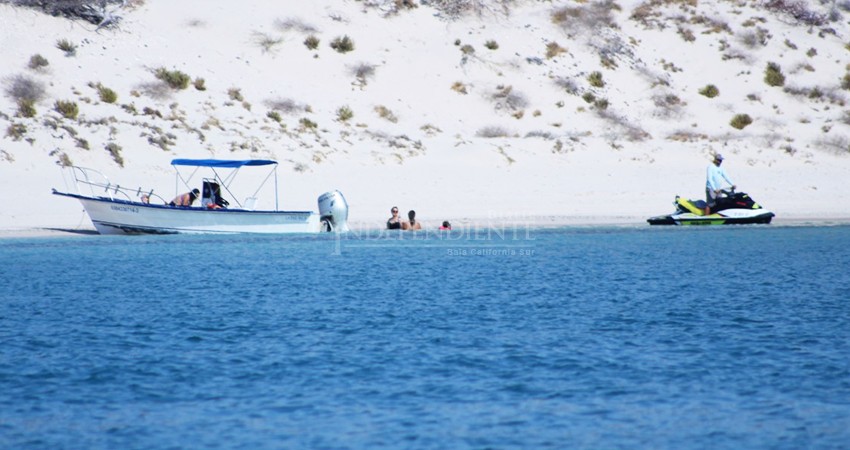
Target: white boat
x=114 y=209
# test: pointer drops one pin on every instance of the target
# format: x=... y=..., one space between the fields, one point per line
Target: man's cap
x=718 y=157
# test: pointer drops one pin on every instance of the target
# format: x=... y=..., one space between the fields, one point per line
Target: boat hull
x=111 y=216
x=726 y=217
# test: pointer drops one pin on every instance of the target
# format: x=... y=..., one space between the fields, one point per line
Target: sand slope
x=443 y=121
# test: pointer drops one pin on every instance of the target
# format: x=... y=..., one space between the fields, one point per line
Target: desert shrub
x=567 y=84
x=491 y=44
x=492 y=132
x=754 y=39
x=68 y=109
x=266 y=42
x=740 y=121
x=601 y=104
x=274 y=115
x=342 y=44
x=553 y=50
x=93 y=12
x=589 y=97
x=16 y=131
x=344 y=114
x=200 y=84
x=467 y=49
x=115 y=150
x=590 y=16
x=175 y=79
x=148 y=111
x=311 y=42
x=287 y=106
x=20 y=87
x=38 y=62
x=26 y=108
x=363 y=72
x=710 y=91
x=845 y=82
x=295 y=24
x=308 y=124
x=773 y=75
x=459 y=87
x=505 y=97
x=235 y=94
x=812 y=52
x=796 y=9
x=456 y=8
x=595 y=79
x=67 y=46
x=106 y=95
x=65 y=160
x=686 y=34
x=385 y=113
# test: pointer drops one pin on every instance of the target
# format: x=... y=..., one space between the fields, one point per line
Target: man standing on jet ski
x=714 y=178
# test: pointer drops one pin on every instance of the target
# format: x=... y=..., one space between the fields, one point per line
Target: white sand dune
x=441 y=123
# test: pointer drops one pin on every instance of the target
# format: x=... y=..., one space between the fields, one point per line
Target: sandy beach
x=546 y=114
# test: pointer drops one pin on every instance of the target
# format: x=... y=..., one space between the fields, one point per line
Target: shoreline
x=530 y=223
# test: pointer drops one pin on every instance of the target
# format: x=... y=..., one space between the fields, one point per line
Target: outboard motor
x=333 y=211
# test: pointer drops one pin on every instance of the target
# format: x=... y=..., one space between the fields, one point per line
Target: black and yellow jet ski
x=731 y=208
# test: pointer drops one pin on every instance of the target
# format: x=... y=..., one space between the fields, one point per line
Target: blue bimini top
x=229 y=163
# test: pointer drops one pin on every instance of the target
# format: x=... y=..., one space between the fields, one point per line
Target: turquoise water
x=727 y=337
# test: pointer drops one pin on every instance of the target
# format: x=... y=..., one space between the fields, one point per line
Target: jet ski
x=730 y=208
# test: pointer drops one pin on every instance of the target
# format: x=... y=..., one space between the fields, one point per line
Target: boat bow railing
x=91 y=182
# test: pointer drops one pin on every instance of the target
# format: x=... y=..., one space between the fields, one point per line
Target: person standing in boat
x=714 y=182
x=186 y=199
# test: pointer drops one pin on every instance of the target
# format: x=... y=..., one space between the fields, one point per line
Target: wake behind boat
x=733 y=208
x=118 y=210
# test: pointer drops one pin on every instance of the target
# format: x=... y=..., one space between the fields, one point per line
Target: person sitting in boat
x=394 y=222
x=186 y=199
x=714 y=182
x=411 y=224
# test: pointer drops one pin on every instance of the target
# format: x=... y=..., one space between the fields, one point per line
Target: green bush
x=342 y=44
x=115 y=150
x=311 y=42
x=845 y=82
x=308 y=124
x=595 y=79
x=16 y=131
x=274 y=115
x=37 y=62
x=710 y=91
x=67 y=46
x=235 y=94
x=773 y=75
x=200 y=84
x=173 y=78
x=344 y=114
x=491 y=44
x=740 y=121
x=26 y=108
x=106 y=95
x=68 y=109
x=553 y=50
